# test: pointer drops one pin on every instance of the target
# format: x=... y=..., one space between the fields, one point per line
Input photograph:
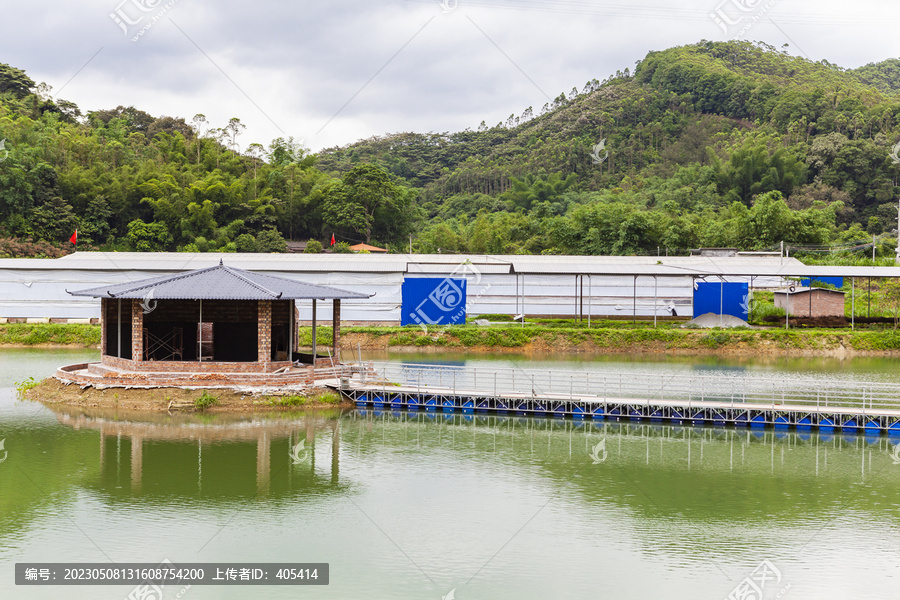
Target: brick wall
x=188 y=311
x=814 y=303
x=98 y=376
x=264 y=331
x=137 y=331
x=192 y=366
x=827 y=304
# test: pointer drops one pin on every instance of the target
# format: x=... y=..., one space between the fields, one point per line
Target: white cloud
x=294 y=65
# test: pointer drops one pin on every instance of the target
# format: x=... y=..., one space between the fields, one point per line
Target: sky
x=331 y=72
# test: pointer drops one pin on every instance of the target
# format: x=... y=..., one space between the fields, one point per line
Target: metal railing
x=641 y=387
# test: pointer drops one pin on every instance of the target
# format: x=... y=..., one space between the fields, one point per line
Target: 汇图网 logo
x=443 y=299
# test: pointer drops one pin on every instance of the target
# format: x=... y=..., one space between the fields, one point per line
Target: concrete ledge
x=192 y=366
x=99 y=375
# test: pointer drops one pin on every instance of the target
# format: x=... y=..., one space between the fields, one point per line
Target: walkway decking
x=698 y=399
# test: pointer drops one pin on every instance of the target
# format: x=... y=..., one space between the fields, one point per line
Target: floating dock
x=870 y=408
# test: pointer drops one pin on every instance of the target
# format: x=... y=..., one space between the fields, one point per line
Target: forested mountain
x=712 y=144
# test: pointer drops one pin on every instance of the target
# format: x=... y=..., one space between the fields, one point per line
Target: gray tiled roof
x=219 y=283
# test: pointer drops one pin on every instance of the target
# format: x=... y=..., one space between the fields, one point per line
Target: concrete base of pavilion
x=277 y=376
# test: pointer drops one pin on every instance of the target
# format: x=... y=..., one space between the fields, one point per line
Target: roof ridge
x=301 y=282
x=172 y=278
x=239 y=274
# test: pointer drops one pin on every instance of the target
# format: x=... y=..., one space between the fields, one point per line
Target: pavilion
x=213 y=320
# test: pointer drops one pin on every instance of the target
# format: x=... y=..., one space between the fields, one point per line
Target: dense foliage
x=712 y=144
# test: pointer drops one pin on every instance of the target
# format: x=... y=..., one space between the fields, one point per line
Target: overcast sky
x=331 y=72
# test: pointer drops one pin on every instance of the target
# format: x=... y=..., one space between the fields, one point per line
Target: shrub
x=246 y=243
x=714 y=339
x=271 y=240
x=289 y=401
x=341 y=248
x=21 y=248
x=24 y=386
x=205 y=401
x=403 y=338
x=313 y=247
x=329 y=397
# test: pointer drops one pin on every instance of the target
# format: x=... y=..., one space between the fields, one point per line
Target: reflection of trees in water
x=711 y=473
x=869 y=368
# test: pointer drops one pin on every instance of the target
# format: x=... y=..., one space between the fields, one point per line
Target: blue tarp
x=731 y=297
x=431 y=301
x=837 y=282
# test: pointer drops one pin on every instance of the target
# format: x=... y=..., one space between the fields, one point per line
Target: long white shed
x=563 y=286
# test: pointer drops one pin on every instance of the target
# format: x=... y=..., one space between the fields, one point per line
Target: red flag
x=74 y=238
x=332 y=239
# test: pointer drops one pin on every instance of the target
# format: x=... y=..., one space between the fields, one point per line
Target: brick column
x=137 y=331
x=264 y=331
x=336 y=328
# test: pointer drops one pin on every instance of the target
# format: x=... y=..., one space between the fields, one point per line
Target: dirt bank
x=53 y=392
x=538 y=338
x=670 y=341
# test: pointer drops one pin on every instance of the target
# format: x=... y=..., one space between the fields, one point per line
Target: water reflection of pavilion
x=159 y=455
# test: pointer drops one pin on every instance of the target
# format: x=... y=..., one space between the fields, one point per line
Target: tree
x=133 y=119
x=366 y=189
x=198 y=123
x=148 y=237
x=246 y=243
x=233 y=130
x=15 y=190
x=270 y=240
x=219 y=134
x=169 y=125
x=257 y=152
x=54 y=220
x=770 y=221
x=93 y=222
x=752 y=170
x=200 y=220
x=287 y=151
x=15 y=81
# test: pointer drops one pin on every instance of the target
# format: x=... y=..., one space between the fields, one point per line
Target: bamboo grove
x=732 y=144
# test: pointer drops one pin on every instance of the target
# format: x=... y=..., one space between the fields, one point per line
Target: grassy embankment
x=616 y=336
x=637 y=339
x=541 y=336
x=168 y=399
x=38 y=334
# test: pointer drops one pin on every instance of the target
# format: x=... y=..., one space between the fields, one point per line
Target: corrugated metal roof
x=804 y=289
x=219 y=283
x=756 y=266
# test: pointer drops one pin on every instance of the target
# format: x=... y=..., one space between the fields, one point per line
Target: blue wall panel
x=837 y=282
x=732 y=297
x=432 y=301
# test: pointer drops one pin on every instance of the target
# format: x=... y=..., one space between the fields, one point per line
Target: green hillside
x=712 y=144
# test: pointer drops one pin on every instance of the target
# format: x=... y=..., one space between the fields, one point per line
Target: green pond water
x=419 y=506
